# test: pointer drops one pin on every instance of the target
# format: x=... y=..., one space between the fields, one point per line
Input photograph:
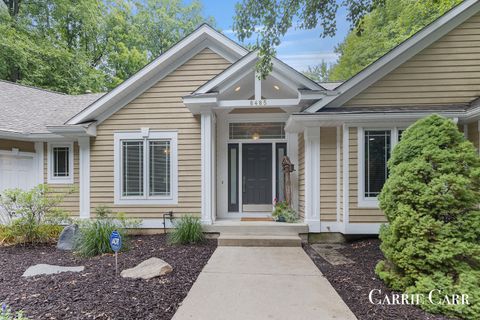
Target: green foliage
x=188 y=230
x=7 y=314
x=89 y=45
x=284 y=213
x=30 y=216
x=319 y=72
x=277 y=16
x=94 y=235
x=431 y=201
x=383 y=29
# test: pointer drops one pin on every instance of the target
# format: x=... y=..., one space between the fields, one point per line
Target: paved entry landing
x=262 y=283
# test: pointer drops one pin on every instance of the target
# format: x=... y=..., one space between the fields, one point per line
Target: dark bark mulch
x=96 y=293
x=353 y=283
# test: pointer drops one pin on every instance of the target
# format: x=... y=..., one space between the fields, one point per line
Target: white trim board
x=399 y=55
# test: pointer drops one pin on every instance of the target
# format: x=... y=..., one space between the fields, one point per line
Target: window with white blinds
x=159 y=168
x=132 y=168
x=145 y=167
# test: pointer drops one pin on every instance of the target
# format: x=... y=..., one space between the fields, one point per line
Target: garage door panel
x=17 y=171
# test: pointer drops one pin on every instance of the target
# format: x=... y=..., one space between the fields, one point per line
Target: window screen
x=132 y=168
x=159 y=168
x=377 y=153
x=61 y=161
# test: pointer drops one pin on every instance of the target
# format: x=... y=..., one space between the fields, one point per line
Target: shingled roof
x=30 y=110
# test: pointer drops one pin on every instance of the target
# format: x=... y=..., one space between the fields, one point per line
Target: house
x=196 y=132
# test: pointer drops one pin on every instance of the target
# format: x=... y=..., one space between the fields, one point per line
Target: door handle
x=243 y=184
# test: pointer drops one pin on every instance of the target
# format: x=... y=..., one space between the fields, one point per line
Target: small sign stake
x=116 y=245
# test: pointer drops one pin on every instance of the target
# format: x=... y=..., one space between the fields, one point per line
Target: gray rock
x=67 y=237
x=43 y=269
x=151 y=268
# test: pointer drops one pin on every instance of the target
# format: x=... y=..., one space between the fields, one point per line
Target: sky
x=299 y=48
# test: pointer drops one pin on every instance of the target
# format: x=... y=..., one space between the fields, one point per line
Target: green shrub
x=431 y=201
x=31 y=216
x=283 y=212
x=188 y=229
x=94 y=235
x=7 y=314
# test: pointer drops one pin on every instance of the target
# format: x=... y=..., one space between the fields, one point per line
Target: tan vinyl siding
x=71 y=201
x=301 y=175
x=23 y=146
x=447 y=72
x=158 y=108
x=473 y=135
x=328 y=174
x=357 y=214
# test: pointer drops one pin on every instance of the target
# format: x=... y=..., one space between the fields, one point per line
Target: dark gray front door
x=257 y=173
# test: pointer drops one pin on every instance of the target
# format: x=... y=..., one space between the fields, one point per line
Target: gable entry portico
x=243 y=139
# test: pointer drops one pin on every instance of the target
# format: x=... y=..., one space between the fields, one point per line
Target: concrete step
x=257 y=228
x=242 y=240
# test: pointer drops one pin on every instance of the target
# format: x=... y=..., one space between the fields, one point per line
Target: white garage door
x=17 y=170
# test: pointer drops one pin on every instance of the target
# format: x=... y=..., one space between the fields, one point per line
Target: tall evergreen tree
x=432 y=240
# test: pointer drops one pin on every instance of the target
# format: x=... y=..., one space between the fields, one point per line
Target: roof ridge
x=48 y=90
x=33 y=87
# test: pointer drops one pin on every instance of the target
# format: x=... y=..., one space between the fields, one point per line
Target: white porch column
x=208 y=166
x=84 y=164
x=312 y=178
x=39 y=162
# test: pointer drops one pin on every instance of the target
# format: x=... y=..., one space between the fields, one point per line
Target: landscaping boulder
x=67 y=237
x=44 y=269
x=151 y=268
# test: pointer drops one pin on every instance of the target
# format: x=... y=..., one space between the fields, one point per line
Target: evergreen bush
x=431 y=200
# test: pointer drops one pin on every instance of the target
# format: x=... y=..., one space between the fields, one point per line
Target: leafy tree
x=75 y=46
x=319 y=72
x=432 y=240
x=382 y=29
x=271 y=19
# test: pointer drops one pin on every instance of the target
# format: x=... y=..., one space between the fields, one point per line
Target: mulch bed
x=96 y=293
x=353 y=283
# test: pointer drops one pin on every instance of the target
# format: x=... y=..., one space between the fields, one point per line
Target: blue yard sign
x=115 y=241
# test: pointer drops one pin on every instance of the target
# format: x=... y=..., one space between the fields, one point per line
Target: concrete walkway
x=262 y=283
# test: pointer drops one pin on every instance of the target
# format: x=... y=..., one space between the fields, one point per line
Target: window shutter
x=132 y=168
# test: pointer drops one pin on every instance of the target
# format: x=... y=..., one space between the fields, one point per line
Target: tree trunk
x=13 y=7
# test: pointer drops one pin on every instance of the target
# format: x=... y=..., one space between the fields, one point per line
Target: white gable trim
x=399 y=55
x=280 y=70
x=205 y=36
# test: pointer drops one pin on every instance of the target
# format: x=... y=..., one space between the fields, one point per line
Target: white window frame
x=370 y=202
x=145 y=134
x=60 y=180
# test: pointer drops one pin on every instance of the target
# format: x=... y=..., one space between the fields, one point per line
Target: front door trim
x=223 y=122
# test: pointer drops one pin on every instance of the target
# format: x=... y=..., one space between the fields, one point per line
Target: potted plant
x=282 y=212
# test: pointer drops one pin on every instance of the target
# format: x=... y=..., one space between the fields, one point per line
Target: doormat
x=257 y=219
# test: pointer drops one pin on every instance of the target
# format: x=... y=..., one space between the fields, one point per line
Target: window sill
x=169 y=201
x=68 y=180
x=369 y=203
